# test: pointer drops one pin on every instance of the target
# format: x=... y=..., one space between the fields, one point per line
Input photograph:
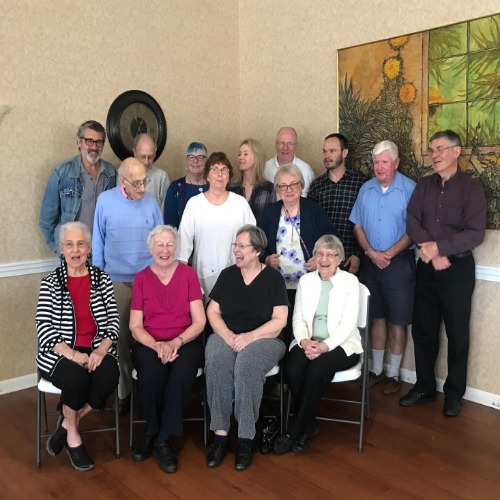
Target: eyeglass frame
x=138 y=184
x=240 y=246
x=293 y=186
x=286 y=143
x=99 y=143
x=439 y=150
x=216 y=170
x=197 y=158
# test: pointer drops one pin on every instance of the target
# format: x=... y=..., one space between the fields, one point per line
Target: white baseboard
x=18 y=384
x=471 y=394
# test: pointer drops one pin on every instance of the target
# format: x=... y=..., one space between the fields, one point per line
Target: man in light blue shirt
x=388 y=264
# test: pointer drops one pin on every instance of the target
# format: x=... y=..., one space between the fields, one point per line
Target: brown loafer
x=391 y=386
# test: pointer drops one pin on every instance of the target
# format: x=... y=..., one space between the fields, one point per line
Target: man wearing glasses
x=144 y=148
x=286 y=141
x=447 y=219
x=74 y=185
x=124 y=216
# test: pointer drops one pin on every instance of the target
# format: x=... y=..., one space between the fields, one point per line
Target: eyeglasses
x=328 y=255
x=79 y=245
x=138 y=184
x=223 y=170
x=439 y=150
x=282 y=144
x=196 y=157
x=292 y=186
x=90 y=142
x=240 y=246
x=146 y=157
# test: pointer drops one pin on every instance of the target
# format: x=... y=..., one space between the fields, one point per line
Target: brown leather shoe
x=374 y=379
x=391 y=385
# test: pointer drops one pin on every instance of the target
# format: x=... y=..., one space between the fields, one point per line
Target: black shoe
x=123 y=406
x=165 y=453
x=414 y=398
x=302 y=442
x=452 y=407
x=243 y=458
x=216 y=453
x=56 y=442
x=283 y=444
x=144 y=448
x=79 y=458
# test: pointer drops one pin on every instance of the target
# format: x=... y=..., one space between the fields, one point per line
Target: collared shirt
x=91 y=190
x=453 y=213
x=337 y=200
x=382 y=215
x=272 y=167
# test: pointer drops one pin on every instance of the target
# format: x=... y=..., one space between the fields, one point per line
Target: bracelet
x=72 y=356
x=181 y=339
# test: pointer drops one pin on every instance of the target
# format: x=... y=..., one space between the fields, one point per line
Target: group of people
x=145 y=263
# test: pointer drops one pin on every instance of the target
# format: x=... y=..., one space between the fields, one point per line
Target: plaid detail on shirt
x=337 y=200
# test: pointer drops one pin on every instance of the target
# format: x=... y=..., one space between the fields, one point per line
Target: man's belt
x=458 y=256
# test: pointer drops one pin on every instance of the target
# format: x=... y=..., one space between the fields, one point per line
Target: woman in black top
x=247 y=312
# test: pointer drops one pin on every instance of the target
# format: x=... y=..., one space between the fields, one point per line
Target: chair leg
x=282 y=416
x=44 y=409
x=131 y=424
x=117 y=424
x=288 y=407
x=38 y=427
x=206 y=417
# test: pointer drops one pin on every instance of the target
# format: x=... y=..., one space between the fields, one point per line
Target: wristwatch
x=367 y=251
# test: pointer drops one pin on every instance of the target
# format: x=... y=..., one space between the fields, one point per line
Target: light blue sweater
x=121 y=227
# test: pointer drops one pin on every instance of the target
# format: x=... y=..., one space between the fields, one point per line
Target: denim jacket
x=63 y=195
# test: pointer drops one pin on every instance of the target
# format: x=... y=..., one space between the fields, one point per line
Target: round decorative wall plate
x=131 y=113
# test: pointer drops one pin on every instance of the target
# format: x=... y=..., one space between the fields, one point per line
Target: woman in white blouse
x=326 y=338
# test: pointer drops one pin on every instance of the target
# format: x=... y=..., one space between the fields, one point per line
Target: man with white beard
x=74 y=185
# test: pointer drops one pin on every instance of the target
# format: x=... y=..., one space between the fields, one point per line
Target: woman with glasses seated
x=292 y=225
x=247 y=312
x=327 y=339
x=166 y=319
x=252 y=184
x=210 y=222
x=77 y=324
x=183 y=189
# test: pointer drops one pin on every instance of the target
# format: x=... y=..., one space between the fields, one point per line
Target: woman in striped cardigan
x=77 y=324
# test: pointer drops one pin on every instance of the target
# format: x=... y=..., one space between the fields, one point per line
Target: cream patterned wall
x=220 y=70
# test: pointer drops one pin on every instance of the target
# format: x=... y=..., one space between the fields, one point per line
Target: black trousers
x=443 y=295
x=78 y=386
x=165 y=389
x=309 y=379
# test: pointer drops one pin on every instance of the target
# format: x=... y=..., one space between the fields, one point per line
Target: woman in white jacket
x=326 y=338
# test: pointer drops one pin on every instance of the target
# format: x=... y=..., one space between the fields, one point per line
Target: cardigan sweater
x=55 y=317
x=314 y=223
x=343 y=307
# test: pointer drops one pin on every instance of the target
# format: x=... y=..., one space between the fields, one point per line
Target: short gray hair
x=139 y=137
x=332 y=243
x=382 y=146
x=69 y=226
x=292 y=169
x=160 y=228
x=257 y=236
x=92 y=125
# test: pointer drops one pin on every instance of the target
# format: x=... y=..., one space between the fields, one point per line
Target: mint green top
x=320 y=321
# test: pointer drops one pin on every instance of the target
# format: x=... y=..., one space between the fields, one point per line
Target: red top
x=166 y=307
x=86 y=328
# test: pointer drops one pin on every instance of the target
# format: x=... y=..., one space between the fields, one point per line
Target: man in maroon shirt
x=447 y=218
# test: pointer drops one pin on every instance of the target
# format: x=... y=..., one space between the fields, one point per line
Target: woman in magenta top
x=166 y=319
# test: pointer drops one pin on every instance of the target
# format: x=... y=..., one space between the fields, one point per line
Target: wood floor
x=409 y=453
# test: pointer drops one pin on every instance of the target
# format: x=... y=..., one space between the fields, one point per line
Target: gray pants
x=239 y=377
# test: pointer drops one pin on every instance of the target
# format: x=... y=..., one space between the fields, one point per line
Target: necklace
x=200 y=189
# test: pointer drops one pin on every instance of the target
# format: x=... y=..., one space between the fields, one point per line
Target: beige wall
x=220 y=70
